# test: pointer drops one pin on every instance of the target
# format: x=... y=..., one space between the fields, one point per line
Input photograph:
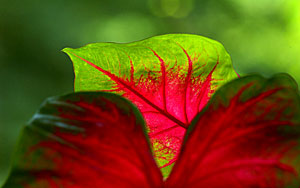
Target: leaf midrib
x=120 y=81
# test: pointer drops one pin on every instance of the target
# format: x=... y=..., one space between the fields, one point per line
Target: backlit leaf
x=170 y=78
x=247 y=136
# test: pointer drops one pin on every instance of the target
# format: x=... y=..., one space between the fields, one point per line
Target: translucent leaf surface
x=247 y=136
x=170 y=78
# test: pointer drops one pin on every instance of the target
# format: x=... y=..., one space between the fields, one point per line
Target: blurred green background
x=260 y=35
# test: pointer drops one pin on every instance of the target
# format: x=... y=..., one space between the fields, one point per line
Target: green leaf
x=170 y=78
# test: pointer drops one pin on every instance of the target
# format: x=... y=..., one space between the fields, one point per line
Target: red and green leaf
x=170 y=78
x=247 y=136
x=85 y=140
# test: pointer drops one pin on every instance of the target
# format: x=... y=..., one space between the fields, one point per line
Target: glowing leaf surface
x=170 y=78
x=247 y=136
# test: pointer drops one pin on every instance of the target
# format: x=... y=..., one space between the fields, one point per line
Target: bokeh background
x=262 y=36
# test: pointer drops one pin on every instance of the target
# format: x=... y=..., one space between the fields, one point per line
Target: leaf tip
x=67 y=50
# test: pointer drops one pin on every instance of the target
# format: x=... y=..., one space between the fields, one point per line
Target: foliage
x=170 y=78
x=247 y=136
x=245 y=133
x=261 y=37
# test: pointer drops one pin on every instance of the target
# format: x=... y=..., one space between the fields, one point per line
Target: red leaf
x=168 y=102
x=86 y=140
x=248 y=136
x=169 y=84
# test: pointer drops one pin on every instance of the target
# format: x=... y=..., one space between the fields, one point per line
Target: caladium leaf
x=247 y=136
x=85 y=140
x=170 y=78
